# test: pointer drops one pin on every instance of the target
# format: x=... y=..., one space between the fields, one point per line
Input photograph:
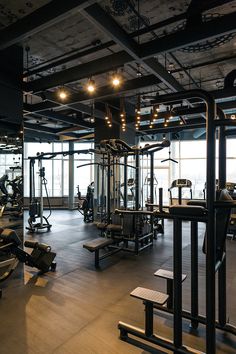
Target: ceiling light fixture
x=116 y=80
x=62 y=94
x=91 y=87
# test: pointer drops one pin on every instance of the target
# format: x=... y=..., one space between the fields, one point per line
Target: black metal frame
x=210 y=321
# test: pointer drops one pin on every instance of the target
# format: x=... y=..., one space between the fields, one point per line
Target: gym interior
x=118 y=176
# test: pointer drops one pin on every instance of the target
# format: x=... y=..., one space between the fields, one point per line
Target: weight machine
x=11 y=254
x=131 y=232
x=216 y=216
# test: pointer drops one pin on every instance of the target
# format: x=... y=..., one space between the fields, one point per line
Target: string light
x=123 y=114
x=108 y=116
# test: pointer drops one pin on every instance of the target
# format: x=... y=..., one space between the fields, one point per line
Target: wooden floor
x=77 y=309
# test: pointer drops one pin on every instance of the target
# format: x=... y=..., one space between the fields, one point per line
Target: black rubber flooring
x=77 y=309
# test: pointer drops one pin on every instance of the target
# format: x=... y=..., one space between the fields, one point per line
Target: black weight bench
x=98 y=244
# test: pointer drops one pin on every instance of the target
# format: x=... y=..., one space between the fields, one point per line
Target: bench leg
x=97 y=258
x=169 y=291
x=148 y=319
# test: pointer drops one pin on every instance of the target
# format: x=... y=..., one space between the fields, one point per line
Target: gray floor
x=77 y=309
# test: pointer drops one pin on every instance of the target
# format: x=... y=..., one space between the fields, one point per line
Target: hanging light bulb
x=116 y=80
x=91 y=86
x=62 y=94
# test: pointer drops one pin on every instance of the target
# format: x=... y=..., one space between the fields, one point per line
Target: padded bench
x=96 y=245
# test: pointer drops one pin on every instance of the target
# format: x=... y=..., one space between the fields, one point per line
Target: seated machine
x=11 y=254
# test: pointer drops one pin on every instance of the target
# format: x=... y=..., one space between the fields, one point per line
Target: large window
x=191 y=158
x=57 y=168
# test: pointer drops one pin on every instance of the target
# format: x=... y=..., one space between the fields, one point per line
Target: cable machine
x=36 y=207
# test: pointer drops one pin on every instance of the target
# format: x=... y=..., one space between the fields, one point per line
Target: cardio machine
x=180 y=184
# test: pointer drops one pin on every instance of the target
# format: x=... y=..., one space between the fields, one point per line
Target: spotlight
x=106 y=118
x=233 y=116
x=91 y=86
x=150 y=126
x=122 y=115
x=62 y=94
x=181 y=122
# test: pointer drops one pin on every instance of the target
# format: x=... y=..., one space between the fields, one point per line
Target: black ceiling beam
x=40 y=128
x=108 y=91
x=172 y=126
x=95 y=67
x=206 y=63
x=42 y=106
x=216 y=27
x=168 y=43
x=6 y=126
x=40 y=135
x=184 y=111
x=40 y=19
x=202 y=5
x=67 y=59
x=57 y=116
x=110 y=27
x=43 y=67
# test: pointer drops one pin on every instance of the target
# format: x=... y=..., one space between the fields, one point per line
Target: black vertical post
x=161 y=200
x=194 y=273
x=137 y=181
x=125 y=181
x=108 y=187
x=151 y=190
x=152 y=178
x=180 y=195
x=222 y=298
x=210 y=228
x=32 y=184
x=148 y=319
x=177 y=282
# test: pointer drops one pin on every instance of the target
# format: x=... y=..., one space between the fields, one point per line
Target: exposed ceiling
x=176 y=46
